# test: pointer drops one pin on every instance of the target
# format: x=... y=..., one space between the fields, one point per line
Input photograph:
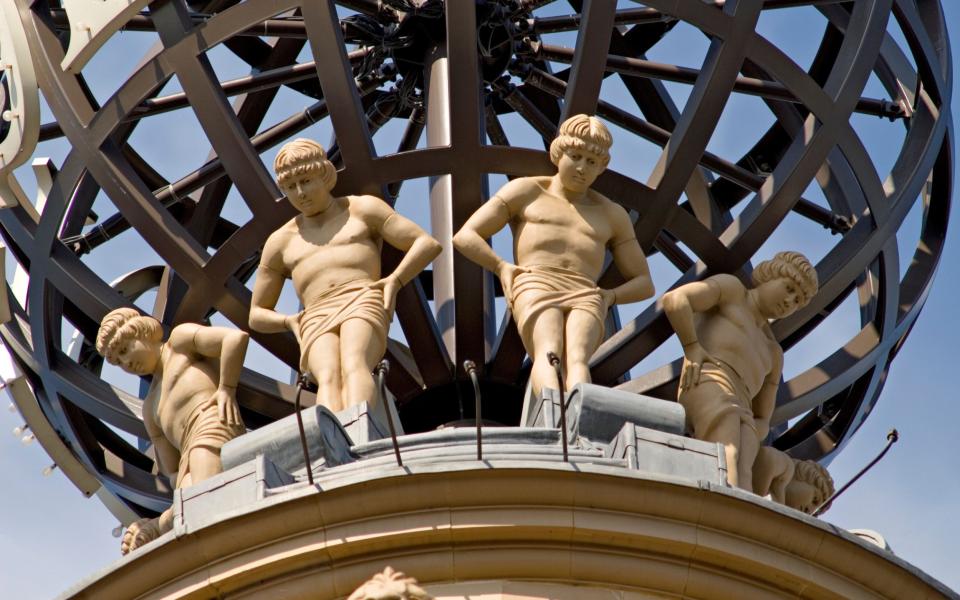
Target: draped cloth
x=728 y=395
x=547 y=286
x=204 y=430
x=326 y=312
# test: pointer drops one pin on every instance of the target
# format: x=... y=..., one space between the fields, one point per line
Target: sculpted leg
x=547 y=336
x=749 y=446
x=323 y=362
x=361 y=348
x=582 y=332
x=708 y=410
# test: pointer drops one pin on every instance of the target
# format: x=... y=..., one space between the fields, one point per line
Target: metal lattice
x=453 y=71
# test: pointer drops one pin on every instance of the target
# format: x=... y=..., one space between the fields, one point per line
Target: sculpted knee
x=326 y=377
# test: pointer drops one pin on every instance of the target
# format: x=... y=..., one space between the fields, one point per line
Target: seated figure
x=732 y=362
x=190 y=410
x=562 y=231
x=331 y=252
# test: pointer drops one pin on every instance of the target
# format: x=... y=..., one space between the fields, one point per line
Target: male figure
x=810 y=487
x=331 y=251
x=561 y=232
x=732 y=362
x=773 y=470
x=190 y=410
x=800 y=484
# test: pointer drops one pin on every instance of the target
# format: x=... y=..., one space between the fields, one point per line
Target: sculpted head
x=784 y=283
x=581 y=151
x=130 y=340
x=305 y=175
x=811 y=486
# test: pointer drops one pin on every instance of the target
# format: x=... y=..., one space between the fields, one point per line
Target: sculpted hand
x=696 y=356
x=391 y=286
x=292 y=323
x=227 y=409
x=507 y=272
x=609 y=298
x=139 y=533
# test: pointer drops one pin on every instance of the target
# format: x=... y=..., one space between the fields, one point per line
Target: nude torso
x=730 y=332
x=349 y=250
x=550 y=230
x=184 y=384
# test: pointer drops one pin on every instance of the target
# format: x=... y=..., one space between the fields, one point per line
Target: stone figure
x=772 y=472
x=810 y=487
x=191 y=409
x=561 y=232
x=390 y=585
x=331 y=252
x=732 y=362
x=800 y=484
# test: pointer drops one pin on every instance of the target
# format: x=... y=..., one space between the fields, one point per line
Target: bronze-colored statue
x=190 y=410
x=331 y=251
x=561 y=232
x=732 y=362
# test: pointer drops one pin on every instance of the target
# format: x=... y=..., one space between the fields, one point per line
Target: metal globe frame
x=451 y=70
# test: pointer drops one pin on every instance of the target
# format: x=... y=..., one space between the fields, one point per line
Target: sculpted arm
x=472 y=238
x=227 y=345
x=400 y=232
x=682 y=303
x=630 y=261
x=490 y=218
x=266 y=292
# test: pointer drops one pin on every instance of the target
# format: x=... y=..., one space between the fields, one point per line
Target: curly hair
x=120 y=326
x=812 y=472
x=791 y=265
x=582 y=132
x=303 y=155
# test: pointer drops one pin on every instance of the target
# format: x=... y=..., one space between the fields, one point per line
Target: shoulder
x=731 y=288
x=281 y=234
x=614 y=211
x=182 y=336
x=522 y=187
x=370 y=209
x=366 y=204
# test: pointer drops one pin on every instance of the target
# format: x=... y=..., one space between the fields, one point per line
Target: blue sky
x=50 y=536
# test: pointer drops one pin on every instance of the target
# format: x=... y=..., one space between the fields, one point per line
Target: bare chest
x=310 y=238
x=580 y=220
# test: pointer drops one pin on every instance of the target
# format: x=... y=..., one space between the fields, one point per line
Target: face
x=803 y=496
x=138 y=357
x=307 y=192
x=578 y=169
x=779 y=297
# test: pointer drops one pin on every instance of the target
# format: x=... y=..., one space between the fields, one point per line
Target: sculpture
x=390 y=585
x=810 y=487
x=732 y=362
x=331 y=251
x=772 y=472
x=561 y=232
x=190 y=410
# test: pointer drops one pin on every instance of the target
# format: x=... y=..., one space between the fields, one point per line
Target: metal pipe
x=555 y=361
x=637 y=67
x=302 y=383
x=471 y=368
x=892 y=437
x=382 y=369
